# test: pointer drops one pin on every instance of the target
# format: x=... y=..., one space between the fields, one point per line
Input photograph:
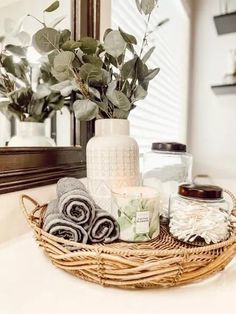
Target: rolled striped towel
x=58 y=226
x=74 y=202
x=104 y=228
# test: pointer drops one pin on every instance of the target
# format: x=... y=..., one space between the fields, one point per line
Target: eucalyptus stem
x=83 y=88
x=35 y=18
x=145 y=35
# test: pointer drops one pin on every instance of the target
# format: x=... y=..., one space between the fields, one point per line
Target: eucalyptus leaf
x=148 y=54
x=65 y=88
x=42 y=91
x=103 y=106
x=111 y=88
x=65 y=35
x=129 y=69
x=120 y=114
x=130 y=47
x=142 y=70
x=8 y=64
x=85 y=110
x=139 y=93
x=106 y=77
x=46 y=74
x=54 y=6
x=114 y=44
x=62 y=65
x=70 y=45
x=46 y=40
x=120 y=100
x=151 y=74
x=16 y=50
x=93 y=60
x=107 y=31
x=37 y=107
x=89 y=71
x=147 y=6
x=63 y=75
x=162 y=22
x=88 y=45
x=52 y=55
x=94 y=92
x=145 y=84
x=126 y=88
x=63 y=60
x=130 y=39
x=138 y=5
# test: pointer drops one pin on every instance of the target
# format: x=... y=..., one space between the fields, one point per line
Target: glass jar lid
x=169 y=147
x=210 y=192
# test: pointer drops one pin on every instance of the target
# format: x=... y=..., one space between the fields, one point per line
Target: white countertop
x=30 y=284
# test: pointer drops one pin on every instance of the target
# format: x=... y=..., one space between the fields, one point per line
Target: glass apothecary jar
x=165 y=167
x=199 y=214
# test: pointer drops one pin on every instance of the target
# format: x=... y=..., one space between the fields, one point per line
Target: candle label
x=142 y=222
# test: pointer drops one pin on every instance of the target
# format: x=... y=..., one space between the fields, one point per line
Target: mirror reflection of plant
x=107 y=82
x=20 y=95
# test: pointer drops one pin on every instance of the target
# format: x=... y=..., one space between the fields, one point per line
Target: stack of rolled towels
x=74 y=215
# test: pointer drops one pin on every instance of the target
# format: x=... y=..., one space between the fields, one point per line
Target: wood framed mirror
x=27 y=167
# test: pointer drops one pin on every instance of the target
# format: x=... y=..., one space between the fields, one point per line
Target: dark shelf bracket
x=224 y=89
x=225 y=23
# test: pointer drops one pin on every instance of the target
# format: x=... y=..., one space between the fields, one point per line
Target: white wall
x=12 y=221
x=212 y=120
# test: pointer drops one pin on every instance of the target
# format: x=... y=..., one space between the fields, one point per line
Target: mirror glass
x=16 y=27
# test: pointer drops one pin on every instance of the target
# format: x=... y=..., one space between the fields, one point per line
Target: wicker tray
x=162 y=262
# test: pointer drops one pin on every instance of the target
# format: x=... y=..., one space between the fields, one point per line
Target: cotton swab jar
x=199 y=214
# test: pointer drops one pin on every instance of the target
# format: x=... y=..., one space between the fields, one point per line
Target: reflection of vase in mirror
x=30 y=134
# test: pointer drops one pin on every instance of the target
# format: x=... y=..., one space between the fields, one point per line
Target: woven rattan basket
x=162 y=262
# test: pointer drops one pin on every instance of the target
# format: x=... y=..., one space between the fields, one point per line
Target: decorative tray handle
x=31 y=214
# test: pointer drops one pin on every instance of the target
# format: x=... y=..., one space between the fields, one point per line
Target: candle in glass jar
x=136 y=210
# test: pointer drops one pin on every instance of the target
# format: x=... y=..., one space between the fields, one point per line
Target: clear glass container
x=199 y=214
x=165 y=168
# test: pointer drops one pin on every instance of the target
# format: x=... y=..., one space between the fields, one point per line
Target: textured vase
x=112 y=160
x=30 y=134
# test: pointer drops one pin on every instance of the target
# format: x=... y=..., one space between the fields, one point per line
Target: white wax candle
x=136 y=210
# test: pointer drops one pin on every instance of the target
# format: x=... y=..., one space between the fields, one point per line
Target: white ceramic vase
x=112 y=160
x=30 y=134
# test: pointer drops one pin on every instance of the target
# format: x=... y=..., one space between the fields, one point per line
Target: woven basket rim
x=109 y=249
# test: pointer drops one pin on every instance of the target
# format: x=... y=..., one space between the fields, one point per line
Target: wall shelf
x=224 y=89
x=225 y=23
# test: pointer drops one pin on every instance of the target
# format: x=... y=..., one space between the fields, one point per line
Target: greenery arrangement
x=22 y=93
x=108 y=77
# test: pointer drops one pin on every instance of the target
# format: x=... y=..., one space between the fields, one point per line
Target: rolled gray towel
x=58 y=226
x=104 y=229
x=69 y=184
x=75 y=203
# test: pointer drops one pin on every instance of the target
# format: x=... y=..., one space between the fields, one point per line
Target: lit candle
x=136 y=210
